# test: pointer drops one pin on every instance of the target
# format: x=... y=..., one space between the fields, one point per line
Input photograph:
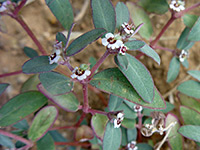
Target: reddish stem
x=10 y=74
x=93 y=112
x=139 y=126
x=85 y=96
x=19 y=7
x=80 y=120
x=72 y=143
x=65 y=127
x=16 y=137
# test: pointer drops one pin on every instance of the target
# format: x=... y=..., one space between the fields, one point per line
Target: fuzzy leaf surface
x=46 y=143
x=173 y=70
x=189 y=20
x=61 y=38
x=31 y=84
x=194 y=34
x=30 y=52
x=114 y=102
x=6 y=141
x=195 y=74
x=134 y=44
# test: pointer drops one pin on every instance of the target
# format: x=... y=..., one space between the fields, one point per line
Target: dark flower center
x=79 y=72
x=132 y=146
x=52 y=56
x=119 y=122
x=111 y=40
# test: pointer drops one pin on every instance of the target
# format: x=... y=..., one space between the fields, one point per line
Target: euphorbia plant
x=135 y=107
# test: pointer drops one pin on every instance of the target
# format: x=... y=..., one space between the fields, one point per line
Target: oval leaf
x=131 y=134
x=38 y=64
x=42 y=122
x=56 y=83
x=189 y=20
x=114 y=102
x=138 y=15
x=122 y=14
x=62 y=10
x=144 y=146
x=61 y=38
x=128 y=123
x=30 y=52
x=82 y=41
x=191 y=132
x=6 y=141
x=3 y=87
x=21 y=106
x=112 y=137
x=190 y=88
x=100 y=11
x=194 y=34
x=134 y=44
x=114 y=82
x=195 y=74
x=173 y=70
x=139 y=77
x=46 y=143
x=122 y=60
x=98 y=124
x=31 y=84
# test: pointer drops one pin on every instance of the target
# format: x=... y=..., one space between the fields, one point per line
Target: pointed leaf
x=82 y=41
x=100 y=11
x=98 y=124
x=42 y=122
x=56 y=83
x=183 y=43
x=30 y=52
x=114 y=102
x=138 y=15
x=38 y=64
x=139 y=77
x=185 y=63
x=173 y=70
x=61 y=38
x=174 y=139
x=146 y=49
x=124 y=137
x=23 y=125
x=190 y=88
x=46 y=143
x=31 y=84
x=122 y=59
x=132 y=134
x=128 y=123
x=191 y=132
x=112 y=137
x=195 y=74
x=6 y=141
x=194 y=34
x=3 y=87
x=190 y=116
x=189 y=20
x=62 y=10
x=122 y=14
x=57 y=137
x=114 y=82
x=21 y=106
x=134 y=44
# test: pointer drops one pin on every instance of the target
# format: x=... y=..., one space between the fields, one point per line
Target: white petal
x=118 y=43
x=120 y=115
x=87 y=72
x=58 y=52
x=115 y=124
x=2 y=8
x=133 y=142
x=73 y=76
x=109 y=35
x=56 y=59
x=104 y=42
x=109 y=45
x=135 y=148
x=76 y=68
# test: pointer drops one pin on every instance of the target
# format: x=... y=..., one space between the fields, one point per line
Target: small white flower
x=4 y=5
x=110 y=41
x=131 y=146
x=123 y=50
x=183 y=55
x=138 y=108
x=80 y=74
x=127 y=28
x=177 y=5
x=118 y=120
x=54 y=58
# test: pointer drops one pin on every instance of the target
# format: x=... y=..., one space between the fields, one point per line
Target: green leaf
x=131 y=134
x=191 y=132
x=154 y=6
x=62 y=10
x=190 y=88
x=194 y=34
x=124 y=137
x=174 y=139
x=38 y=64
x=46 y=143
x=92 y=61
x=114 y=82
x=67 y=102
x=98 y=123
x=57 y=137
x=6 y=141
x=112 y=137
x=144 y=146
x=185 y=63
x=30 y=52
x=122 y=59
x=103 y=14
x=189 y=20
x=183 y=43
x=114 y=102
x=128 y=112
x=173 y=70
x=128 y=123
x=82 y=41
x=56 y=83
x=134 y=44
x=139 y=77
x=189 y=101
x=169 y=107
x=122 y=14
x=21 y=106
x=195 y=74
x=3 y=87
x=138 y=15
x=61 y=38
x=42 y=122
x=146 y=49
x=23 y=125
x=31 y=84
x=190 y=116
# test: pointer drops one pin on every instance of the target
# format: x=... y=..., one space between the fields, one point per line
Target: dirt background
x=44 y=25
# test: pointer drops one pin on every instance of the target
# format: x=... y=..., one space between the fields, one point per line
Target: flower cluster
x=118 y=120
x=183 y=55
x=177 y=5
x=4 y=5
x=137 y=108
x=128 y=29
x=81 y=72
x=132 y=146
x=56 y=55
